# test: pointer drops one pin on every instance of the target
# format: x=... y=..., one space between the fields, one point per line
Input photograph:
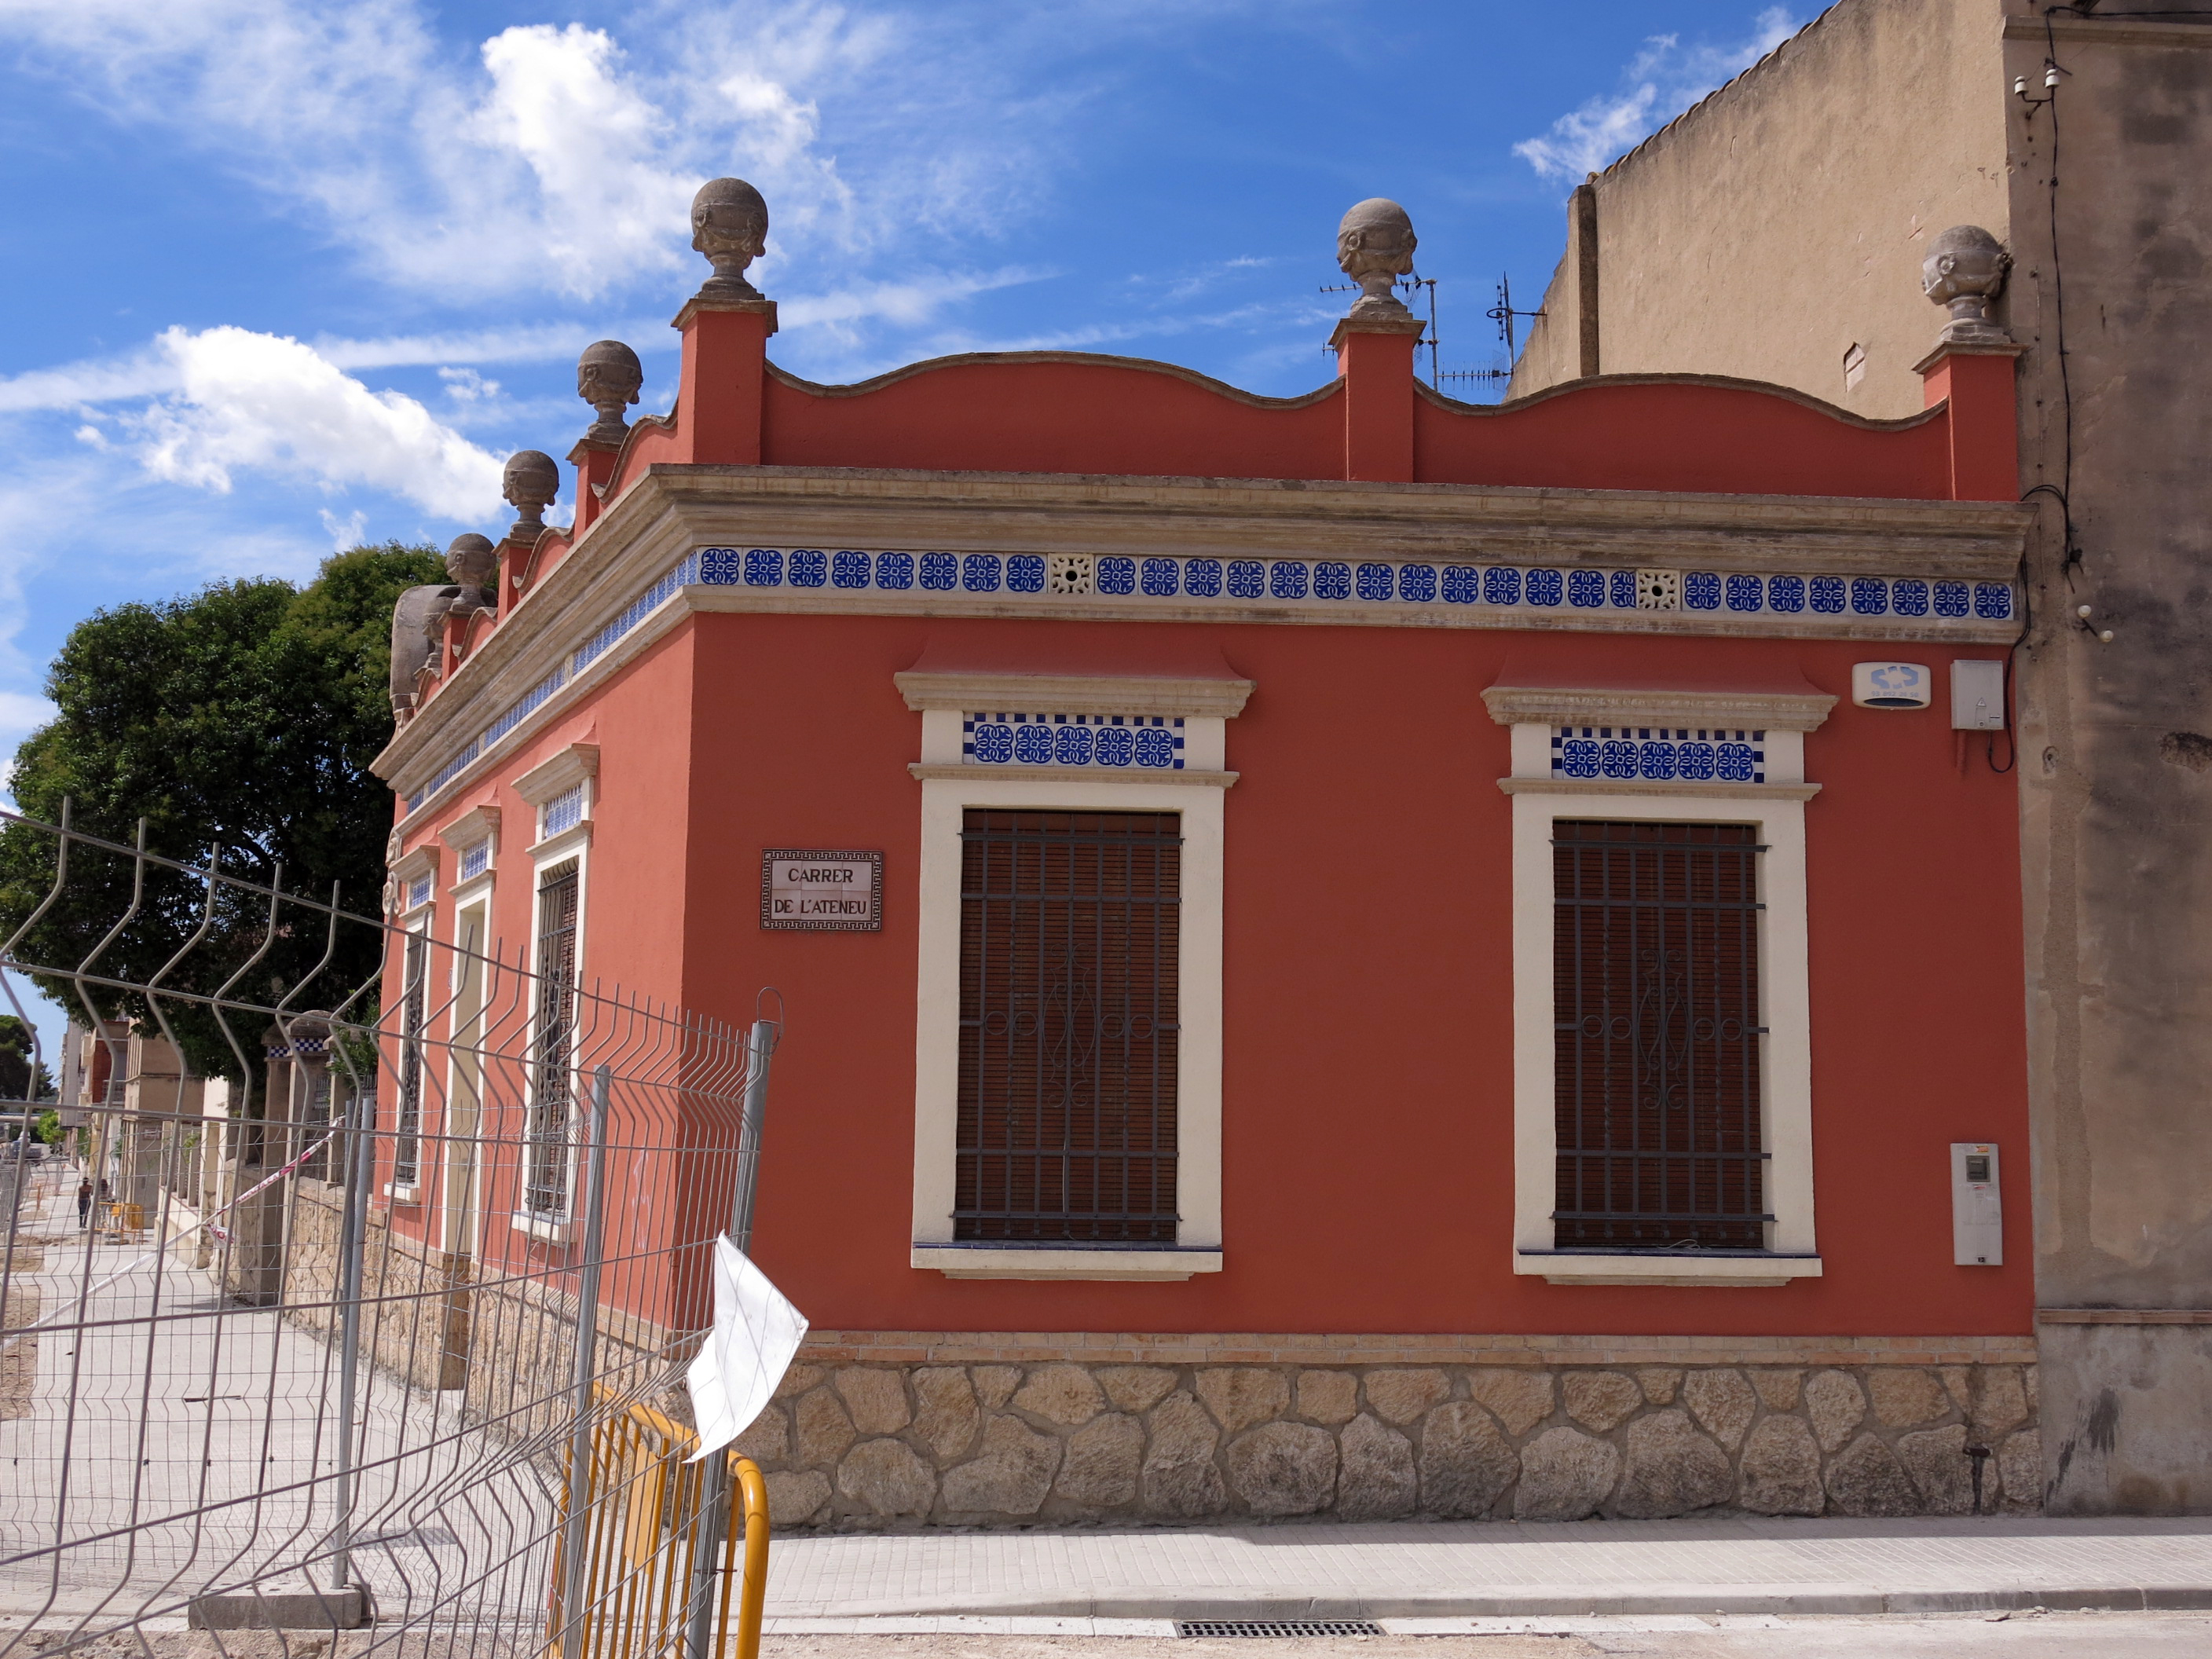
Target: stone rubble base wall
x=879 y=1430
x=416 y=1297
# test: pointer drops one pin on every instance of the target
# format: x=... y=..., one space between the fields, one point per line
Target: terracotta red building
x=1382 y=956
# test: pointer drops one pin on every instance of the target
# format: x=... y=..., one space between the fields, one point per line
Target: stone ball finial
x=729 y=225
x=1375 y=246
x=473 y=563
x=531 y=482
x=608 y=376
x=1966 y=269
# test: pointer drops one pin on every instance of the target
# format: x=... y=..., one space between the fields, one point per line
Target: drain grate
x=1277 y=1627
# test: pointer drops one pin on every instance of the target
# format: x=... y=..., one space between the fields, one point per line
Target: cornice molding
x=1054 y=512
x=558 y=774
x=481 y=823
x=1075 y=693
x=1773 y=711
x=1594 y=788
x=415 y=863
x=925 y=770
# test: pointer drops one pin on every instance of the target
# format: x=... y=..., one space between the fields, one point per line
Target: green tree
x=242 y=718
x=22 y=1078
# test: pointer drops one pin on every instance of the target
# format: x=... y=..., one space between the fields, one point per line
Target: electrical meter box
x=1978 y=695
x=1977 y=1213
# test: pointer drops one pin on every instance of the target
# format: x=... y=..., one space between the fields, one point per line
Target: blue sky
x=280 y=278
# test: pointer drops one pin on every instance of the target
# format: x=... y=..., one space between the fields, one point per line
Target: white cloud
x=344 y=533
x=265 y=402
x=553 y=159
x=1664 y=80
x=20 y=714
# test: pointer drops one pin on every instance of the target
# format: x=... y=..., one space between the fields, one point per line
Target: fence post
x=359 y=1148
x=714 y=1480
x=574 y=1521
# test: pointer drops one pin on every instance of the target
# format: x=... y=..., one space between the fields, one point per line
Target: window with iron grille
x=1656 y=1037
x=545 y=1181
x=1069 y=939
x=406 y=1141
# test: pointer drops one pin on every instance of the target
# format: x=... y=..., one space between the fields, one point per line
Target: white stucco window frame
x=1776 y=812
x=416 y=931
x=950 y=786
x=478 y=826
x=577 y=763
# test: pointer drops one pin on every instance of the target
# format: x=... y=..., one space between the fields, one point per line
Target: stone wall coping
x=1321 y=1350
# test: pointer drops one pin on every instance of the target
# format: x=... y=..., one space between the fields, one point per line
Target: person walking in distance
x=84 y=1201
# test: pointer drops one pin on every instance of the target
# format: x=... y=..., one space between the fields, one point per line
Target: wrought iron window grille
x=1657 y=1033
x=1070 y=935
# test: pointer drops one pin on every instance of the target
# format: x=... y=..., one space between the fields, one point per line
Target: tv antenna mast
x=1503 y=314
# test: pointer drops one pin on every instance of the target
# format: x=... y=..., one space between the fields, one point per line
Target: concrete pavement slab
x=1491 y=1570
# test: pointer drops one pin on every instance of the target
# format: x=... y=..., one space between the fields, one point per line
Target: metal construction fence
x=365 y=1313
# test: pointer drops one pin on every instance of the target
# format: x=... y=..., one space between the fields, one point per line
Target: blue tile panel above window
x=475 y=859
x=1137 y=742
x=1657 y=754
x=564 y=811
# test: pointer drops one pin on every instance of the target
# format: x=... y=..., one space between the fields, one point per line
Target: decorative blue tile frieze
x=1658 y=754
x=1370 y=581
x=1541 y=593
x=1139 y=741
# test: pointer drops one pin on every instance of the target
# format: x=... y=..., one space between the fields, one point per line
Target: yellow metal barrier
x=641 y=1503
x=752 y=1494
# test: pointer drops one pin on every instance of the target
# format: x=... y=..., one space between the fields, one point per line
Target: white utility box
x=1891 y=685
x=1978 y=695
x=1977 y=1212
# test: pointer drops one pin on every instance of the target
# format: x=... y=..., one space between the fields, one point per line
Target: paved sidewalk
x=1500 y=1569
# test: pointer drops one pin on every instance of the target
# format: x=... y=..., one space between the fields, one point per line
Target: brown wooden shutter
x=1656 y=1035
x=1069 y=945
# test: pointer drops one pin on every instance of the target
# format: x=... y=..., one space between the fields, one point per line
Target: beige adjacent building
x=1775 y=232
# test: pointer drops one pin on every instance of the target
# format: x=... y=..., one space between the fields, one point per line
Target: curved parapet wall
x=1076 y=412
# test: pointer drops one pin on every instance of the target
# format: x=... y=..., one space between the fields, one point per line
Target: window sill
x=1663 y=1267
x=562 y=842
x=403 y=1195
x=1023 y=1261
x=552 y=1231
